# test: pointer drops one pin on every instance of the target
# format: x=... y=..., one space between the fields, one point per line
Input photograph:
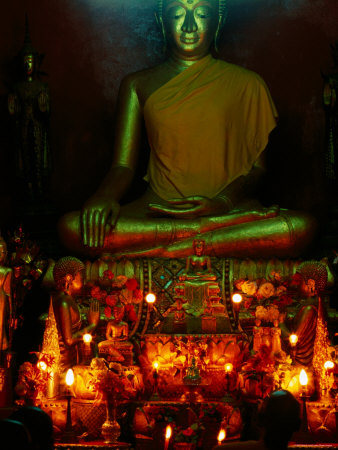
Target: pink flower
x=266 y=290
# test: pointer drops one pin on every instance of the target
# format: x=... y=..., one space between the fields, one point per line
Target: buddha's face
x=76 y=284
x=190 y=26
x=28 y=63
x=198 y=246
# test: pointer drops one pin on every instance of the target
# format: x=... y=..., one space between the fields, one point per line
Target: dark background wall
x=91 y=44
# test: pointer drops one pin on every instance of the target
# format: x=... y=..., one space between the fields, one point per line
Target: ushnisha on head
x=190 y=27
x=68 y=274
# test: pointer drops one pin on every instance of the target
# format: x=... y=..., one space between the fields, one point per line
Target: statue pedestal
x=117 y=351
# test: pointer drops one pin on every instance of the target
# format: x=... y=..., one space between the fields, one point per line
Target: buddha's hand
x=97 y=212
x=192 y=207
x=93 y=315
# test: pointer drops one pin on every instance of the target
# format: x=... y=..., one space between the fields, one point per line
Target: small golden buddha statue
x=68 y=274
x=208 y=123
x=117 y=329
x=5 y=304
x=198 y=266
x=117 y=348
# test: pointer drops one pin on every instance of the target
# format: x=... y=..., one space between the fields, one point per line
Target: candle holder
x=155 y=395
x=293 y=339
x=69 y=435
x=237 y=300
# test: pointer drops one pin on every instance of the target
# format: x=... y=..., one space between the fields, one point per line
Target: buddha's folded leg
x=142 y=233
x=285 y=235
x=240 y=234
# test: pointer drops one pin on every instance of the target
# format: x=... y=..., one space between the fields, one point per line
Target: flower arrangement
x=267 y=298
x=108 y=381
x=32 y=379
x=112 y=291
x=191 y=435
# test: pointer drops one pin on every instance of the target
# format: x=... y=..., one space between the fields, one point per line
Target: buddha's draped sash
x=206 y=127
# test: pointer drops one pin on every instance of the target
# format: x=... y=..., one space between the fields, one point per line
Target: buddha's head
x=68 y=274
x=190 y=27
x=198 y=245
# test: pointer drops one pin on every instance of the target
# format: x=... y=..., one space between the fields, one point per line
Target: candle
x=69 y=435
x=221 y=436
x=303 y=380
x=150 y=298
x=168 y=432
x=87 y=349
x=293 y=339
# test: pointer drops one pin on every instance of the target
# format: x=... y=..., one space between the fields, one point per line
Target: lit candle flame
x=303 y=378
x=237 y=298
x=228 y=367
x=293 y=339
x=42 y=365
x=168 y=432
x=87 y=338
x=150 y=298
x=155 y=365
x=69 y=377
x=221 y=435
x=328 y=365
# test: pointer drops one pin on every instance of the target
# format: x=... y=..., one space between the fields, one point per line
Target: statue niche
x=208 y=123
x=197 y=308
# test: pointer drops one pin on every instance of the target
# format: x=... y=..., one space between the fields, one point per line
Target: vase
x=111 y=429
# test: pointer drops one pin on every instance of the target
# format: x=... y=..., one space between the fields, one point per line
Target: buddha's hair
x=222 y=6
x=68 y=266
x=316 y=271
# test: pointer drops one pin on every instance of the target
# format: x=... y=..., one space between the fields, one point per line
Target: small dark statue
x=29 y=104
x=331 y=105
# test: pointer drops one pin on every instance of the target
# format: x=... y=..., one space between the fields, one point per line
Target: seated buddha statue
x=198 y=266
x=68 y=274
x=208 y=122
x=117 y=348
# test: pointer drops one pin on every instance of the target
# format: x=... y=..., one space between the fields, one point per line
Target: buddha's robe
x=206 y=127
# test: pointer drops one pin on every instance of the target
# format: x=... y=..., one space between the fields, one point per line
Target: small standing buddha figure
x=117 y=348
x=5 y=304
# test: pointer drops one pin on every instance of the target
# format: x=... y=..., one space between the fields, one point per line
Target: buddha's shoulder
x=237 y=71
x=142 y=77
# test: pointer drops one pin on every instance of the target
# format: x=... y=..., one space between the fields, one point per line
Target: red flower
x=96 y=293
x=107 y=312
x=247 y=303
x=188 y=432
x=108 y=274
x=297 y=278
x=111 y=300
x=131 y=284
x=130 y=312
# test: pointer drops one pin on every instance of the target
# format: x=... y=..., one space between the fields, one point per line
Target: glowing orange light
x=228 y=367
x=87 y=338
x=168 y=432
x=221 y=436
x=303 y=378
x=155 y=365
x=293 y=339
x=237 y=298
x=69 y=377
x=150 y=298
x=42 y=365
x=328 y=365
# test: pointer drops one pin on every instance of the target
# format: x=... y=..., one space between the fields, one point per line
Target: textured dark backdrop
x=91 y=44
